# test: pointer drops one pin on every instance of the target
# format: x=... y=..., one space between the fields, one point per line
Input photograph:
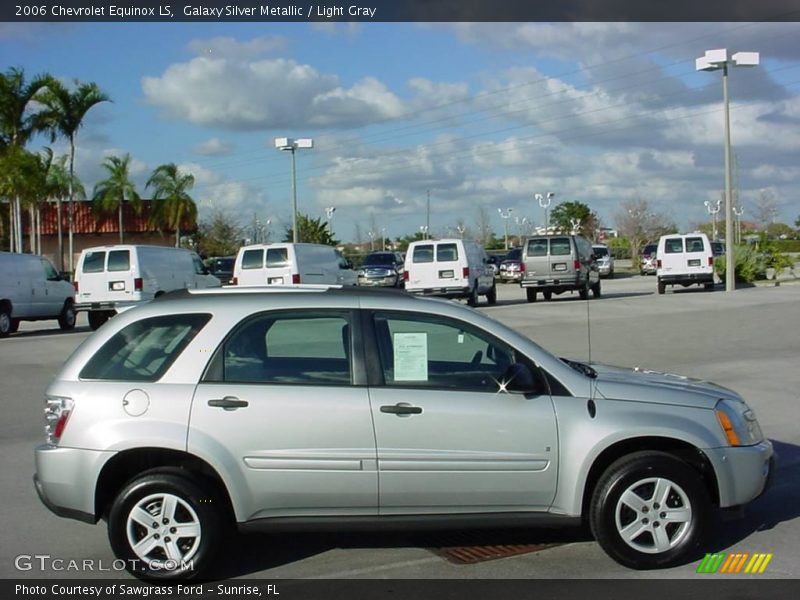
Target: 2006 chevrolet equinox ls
x=209 y=408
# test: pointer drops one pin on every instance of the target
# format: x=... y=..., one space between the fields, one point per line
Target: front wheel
x=649 y=510
x=66 y=320
x=164 y=527
x=6 y=322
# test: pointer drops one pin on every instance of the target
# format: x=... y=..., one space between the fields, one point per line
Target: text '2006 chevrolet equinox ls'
x=209 y=408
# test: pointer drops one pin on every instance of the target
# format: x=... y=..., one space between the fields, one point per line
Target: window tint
x=600 y=251
x=694 y=244
x=537 y=247
x=423 y=254
x=278 y=257
x=253 y=259
x=673 y=245
x=94 y=262
x=515 y=254
x=560 y=247
x=50 y=272
x=119 y=260
x=144 y=350
x=379 y=259
x=199 y=267
x=311 y=349
x=438 y=353
x=446 y=253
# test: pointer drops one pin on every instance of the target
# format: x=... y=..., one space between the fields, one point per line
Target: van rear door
x=282 y=268
x=107 y=276
x=699 y=257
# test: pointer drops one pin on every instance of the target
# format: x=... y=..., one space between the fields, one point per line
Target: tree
x=484 y=227
x=110 y=194
x=57 y=188
x=218 y=236
x=172 y=204
x=22 y=178
x=565 y=215
x=766 y=207
x=636 y=222
x=64 y=115
x=312 y=231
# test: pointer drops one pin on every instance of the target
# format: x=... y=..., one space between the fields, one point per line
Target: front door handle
x=228 y=403
x=401 y=408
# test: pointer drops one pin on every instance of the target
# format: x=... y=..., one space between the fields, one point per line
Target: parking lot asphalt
x=746 y=340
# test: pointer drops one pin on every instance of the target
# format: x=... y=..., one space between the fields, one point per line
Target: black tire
x=14 y=325
x=662 y=287
x=491 y=296
x=547 y=296
x=67 y=318
x=530 y=294
x=6 y=322
x=611 y=275
x=596 y=290
x=584 y=291
x=472 y=299
x=709 y=287
x=97 y=318
x=194 y=508
x=648 y=478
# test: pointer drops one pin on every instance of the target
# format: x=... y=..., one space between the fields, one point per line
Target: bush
x=787 y=245
x=748 y=265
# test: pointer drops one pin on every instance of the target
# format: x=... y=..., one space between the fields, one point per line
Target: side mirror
x=520 y=380
x=63 y=276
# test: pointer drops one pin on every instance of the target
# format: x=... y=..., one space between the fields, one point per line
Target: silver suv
x=206 y=409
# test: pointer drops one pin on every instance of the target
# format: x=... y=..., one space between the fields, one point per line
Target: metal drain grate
x=468 y=555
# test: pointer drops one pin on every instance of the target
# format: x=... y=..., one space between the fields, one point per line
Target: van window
x=694 y=244
x=94 y=262
x=537 y=247
x=560 y=247
x=423 y=254
x=253 y=259
x=673 y=245
x=277 y=257
x=50 y=272
x=446 y=253
x=119 y=260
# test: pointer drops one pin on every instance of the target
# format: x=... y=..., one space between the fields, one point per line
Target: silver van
x=554 y=264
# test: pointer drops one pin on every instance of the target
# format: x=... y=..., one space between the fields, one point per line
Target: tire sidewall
x=68 y=317
x=191 y=493
x=619 y=478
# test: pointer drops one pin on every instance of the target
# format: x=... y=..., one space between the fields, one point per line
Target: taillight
x=296 y=279
x=465 y=272
x=138 y=284
x=76 y=286
x=577 y=265
x=235 y=281
x=56 y=414
x=658 y=263
x=710 y=261
x=405 y=276
x=522 y=267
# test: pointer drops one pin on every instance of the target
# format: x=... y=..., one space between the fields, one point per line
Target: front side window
x=253 y=259
x=144 y=350
x=277 y=258
x=673 y=246
x=291 y=348
x=423 y=254
x=431 y=352
x=50 y=272
x=94 y=262
x=119 y=260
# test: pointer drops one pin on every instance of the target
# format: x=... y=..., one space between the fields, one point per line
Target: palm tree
x=172 y=204
x=17 y=124
x=64 y=115
x=110 y=194
x=58 y=188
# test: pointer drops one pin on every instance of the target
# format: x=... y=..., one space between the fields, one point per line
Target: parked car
x=648 y=260
x=717 y=248
x=381 y=269
x=109 y=279
x=32 y=290
x=369 y=408
x=685 y=260
x=605 y=260
x=221 y=267
x=494 y=262
x=554 y=264
x=450 y=268
x=291 y=264
x=511 y=266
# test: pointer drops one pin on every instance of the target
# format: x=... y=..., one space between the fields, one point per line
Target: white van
x=684 y=259
x=111 y=278
x=450 y=268
x=291 y=264
x=32 y=290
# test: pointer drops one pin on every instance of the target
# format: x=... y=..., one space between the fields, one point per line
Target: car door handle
x=228 y=403
x=401 y=408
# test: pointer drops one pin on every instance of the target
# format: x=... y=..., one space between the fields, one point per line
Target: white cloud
x=233 y=49
x=214 y=147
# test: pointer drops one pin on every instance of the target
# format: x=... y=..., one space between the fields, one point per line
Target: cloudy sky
x=477 y=115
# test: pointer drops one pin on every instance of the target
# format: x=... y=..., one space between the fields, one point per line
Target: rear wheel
x=472 y=300
x=531 y=294
x=596 y=290
x=5 y=322
x=547 y=296
x=584 y=291
x=708 y=286
x=98 y=317
x=66 y=320
x=491 y=296
x=662 y=287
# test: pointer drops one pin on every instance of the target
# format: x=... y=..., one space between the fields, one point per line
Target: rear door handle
x=228 y=403
x=401 y=408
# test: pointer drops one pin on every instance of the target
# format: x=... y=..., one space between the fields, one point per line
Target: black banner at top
x=398 y=10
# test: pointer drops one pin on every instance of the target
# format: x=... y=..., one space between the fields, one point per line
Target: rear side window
x=423 y=254
x=144 y=350
x=277 y=257
x=446 y=253
x=695 y=244
x=253 y=259
x=94 y=262
x=537 y=247
x=560 y=247
x=673 y=246
x=119 y=260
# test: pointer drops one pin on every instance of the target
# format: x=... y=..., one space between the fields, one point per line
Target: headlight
x=361 y=272
x=740 y=427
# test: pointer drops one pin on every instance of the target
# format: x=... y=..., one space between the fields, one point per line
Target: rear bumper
x=743 y=473
x=442 y=292
x=687 y=278
x=552 y=284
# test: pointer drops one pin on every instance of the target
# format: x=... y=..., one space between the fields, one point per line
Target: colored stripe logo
x=734 y=563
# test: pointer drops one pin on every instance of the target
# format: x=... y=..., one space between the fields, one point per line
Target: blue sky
x=482 y=115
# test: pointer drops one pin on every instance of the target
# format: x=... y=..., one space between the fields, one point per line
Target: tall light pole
x=291 y=145
x=713 y=209
x=505 y=215
x=424 y=230
x=714 y=60
x=329 y=210
x=738 y=211
x=544 y=202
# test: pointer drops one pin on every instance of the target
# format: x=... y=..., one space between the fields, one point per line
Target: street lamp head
x=746 y=59
x=291 y=144
x=714 y=60
x=550 y=195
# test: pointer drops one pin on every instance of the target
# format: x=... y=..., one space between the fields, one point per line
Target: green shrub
x=748 y=264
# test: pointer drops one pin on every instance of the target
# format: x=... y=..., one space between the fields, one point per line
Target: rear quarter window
x=253 y=259
x=144 y=350
x=94 y=262
x=673 y=246
x=423 y=254
x=560 y=247
x=537 y=247
x=277 y=257
x=695 y=244
x=446 y=253
x=119 y=260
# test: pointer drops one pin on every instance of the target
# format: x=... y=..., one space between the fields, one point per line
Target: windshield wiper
x=581 y=367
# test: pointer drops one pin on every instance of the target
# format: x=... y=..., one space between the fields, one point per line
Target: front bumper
x=388 y=281
x=743 y=473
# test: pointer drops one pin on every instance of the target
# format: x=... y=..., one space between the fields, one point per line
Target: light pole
x=714 y=60
x=544 y=202
x=505 y=215
x=424 y=230
x=291 y=145
x=738 y=211
x=383 y=238
x=329 y=210
x=461 y=229
x=576 y=226
x=713 y=209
